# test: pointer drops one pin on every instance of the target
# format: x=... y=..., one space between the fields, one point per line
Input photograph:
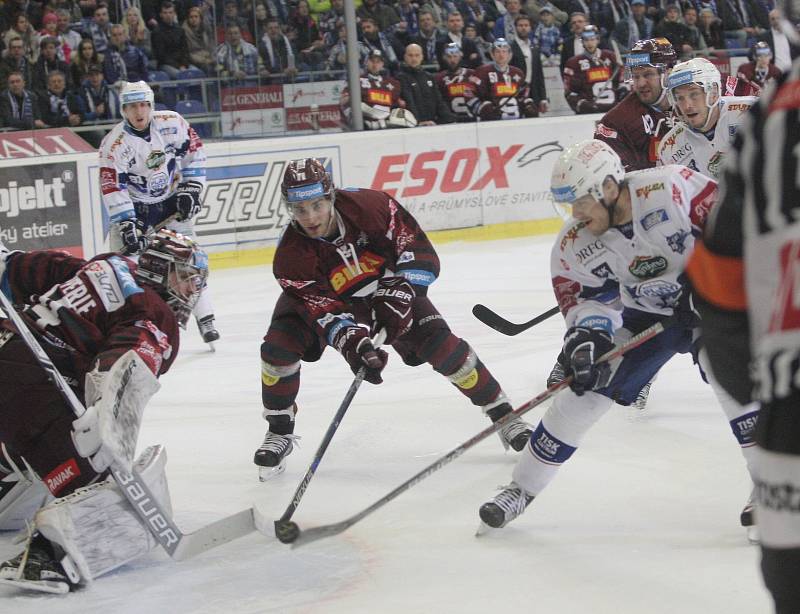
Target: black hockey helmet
x=305 y=179
x=177 y=268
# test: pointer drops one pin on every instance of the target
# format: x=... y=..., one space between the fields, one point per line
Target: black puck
x=286 y=532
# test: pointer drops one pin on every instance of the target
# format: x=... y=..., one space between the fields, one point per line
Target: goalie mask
x=177 y=268
x=308 y=195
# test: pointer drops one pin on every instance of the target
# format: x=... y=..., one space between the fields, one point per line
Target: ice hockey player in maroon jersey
x=592 y=79
x=500 y=89
x=751 y=77
x=454 y=83
x=635 y=126
x=110 y=326
x=353 y=262
x=380 y=94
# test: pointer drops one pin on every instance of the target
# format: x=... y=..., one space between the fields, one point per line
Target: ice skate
x=38 y=569
x=208 y=330
x=748 y=518
x=271 y=455
x=503 y=508
x=515 y=433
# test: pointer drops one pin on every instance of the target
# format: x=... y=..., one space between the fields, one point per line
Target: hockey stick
x=501 y=325
x=321 y=532
x=286 y=530
x=178 y=545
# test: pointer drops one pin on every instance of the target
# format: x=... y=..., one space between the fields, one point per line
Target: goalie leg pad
x=557 y=437
x=21 y=493
x=97 y=527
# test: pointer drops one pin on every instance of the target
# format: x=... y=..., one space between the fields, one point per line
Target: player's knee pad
x=97 y=526
x=22 y=494
x=279 y=385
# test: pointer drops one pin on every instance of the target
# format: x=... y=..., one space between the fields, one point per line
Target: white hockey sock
x=557 y=436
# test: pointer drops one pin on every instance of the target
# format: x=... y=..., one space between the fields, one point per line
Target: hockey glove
x=582 y=348
x=187 y=203
x=685 y=310
x=391 y=307
x=132 y=237
x=355 y=345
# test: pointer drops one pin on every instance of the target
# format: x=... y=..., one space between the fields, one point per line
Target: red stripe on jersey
x=701 y=205
x=108 y=180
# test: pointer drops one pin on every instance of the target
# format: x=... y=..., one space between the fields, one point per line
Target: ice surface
x=643 y=519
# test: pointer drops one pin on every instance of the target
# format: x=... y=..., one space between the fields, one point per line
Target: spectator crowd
x=64 y=61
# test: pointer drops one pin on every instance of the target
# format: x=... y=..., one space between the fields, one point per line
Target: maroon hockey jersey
x=749 y=81
x=634 y=130
x=457 y=89
x=90 y=312
x=500 y=94
x=591 y=81
x=376 y=235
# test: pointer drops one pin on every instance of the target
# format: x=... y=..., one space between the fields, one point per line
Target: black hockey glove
x=355 y=345
x=132 y=236
x=685 y=310
x=187 y=200
x=582 y=348
x=391 y=307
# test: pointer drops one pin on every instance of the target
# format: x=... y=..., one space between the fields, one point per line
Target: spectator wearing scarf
x=19 y=107
x=58 y=107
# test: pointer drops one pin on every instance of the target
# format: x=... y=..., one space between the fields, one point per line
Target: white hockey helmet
x=698 y=71
x=581 y=169
x=137 y=91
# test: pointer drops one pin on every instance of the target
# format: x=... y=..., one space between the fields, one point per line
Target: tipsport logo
x=247 y=197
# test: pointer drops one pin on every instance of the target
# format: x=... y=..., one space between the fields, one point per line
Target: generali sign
x=32 y=143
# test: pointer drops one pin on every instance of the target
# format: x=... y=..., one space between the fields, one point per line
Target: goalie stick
x=501 y=325
x=315 y=533
x=286 y=530
x=179 y=545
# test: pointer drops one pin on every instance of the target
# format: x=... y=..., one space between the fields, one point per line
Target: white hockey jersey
x=595 y=278
x=685 y=146
x=148 y=170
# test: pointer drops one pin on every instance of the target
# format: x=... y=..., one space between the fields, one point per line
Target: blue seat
x=160 y=106
x=192 y=107
x=160 y=82
x=190 y=91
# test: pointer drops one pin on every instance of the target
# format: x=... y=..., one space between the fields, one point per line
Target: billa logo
x=456 y=89
x=379 y=97
x=503 y=89
x=645 y=267
x=598 y=75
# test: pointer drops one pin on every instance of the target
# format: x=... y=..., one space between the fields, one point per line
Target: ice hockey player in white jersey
x=708 y=121
x=153 y=166
x=617 y=269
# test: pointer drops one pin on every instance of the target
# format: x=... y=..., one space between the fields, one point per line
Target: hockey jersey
x=705 y=152
x=88 y=312
x=634 y=129
x=500 y=94
x=375 y=237
x=457 y=89
x=595 y=278
x=591 y=81
x=146 y=168
x=379 y=95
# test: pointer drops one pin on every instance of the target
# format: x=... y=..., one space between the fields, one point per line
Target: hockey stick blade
x=321 y=532
x=493 y=320
x=216 y=534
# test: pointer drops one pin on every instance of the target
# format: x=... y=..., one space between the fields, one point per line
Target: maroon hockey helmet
x=656 y=52
x=305 y=179
x=177 y=268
